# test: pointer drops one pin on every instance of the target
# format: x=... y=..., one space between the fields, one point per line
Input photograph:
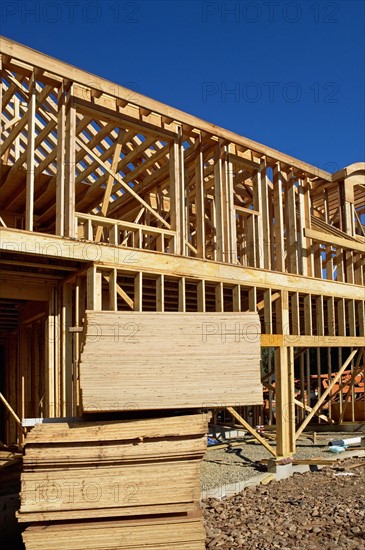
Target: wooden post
x=138 y=291
x=182 y=295
x=291 y=225
x=70 y=167
x=219 y=298
x=177 y=209
x=231 y=213
x=50 y=381
x=258 y=236
x=279 y=215
x=29 y=209
x=199 y=202
x=284 y=390
x=113 y=296
x=252 y=299
x=160 y=293
x=94 y=289
x=60 y=176
x=284 y=386
x=67 y=359
x=265 y=217
x=218 y=199
x=236 y=296
x=268 y=312
x=201 y=295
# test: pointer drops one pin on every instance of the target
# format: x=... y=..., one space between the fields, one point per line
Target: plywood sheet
x=140 y=361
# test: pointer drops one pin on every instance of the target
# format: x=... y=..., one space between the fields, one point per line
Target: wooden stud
x=278 y=216
x=201 y=295
x=138 y=291
x=200 y=202
x=160 y=293
x=218 y=201
x=94 y=289
x=182 y=295
x=30 y=154
x=236 y=294
x=219 y=299
x=70 y=167
x=61 y=163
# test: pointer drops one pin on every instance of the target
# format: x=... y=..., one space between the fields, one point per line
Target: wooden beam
x=13 y=413
x=122 y=293
x=309 y=409
x=178 y=266
x=110 y=181
x=273 y=298
x=287 y=340
x=252 y=431
x=322 y=399
x=356 y=370
x=120 y=180
x=326 y=238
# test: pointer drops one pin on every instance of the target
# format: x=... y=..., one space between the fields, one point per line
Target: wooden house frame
x=110 y=200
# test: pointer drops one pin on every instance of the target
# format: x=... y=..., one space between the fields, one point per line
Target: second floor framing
x=85 y=159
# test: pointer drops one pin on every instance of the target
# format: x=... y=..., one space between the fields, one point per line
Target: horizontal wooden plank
x=179 y=533
x=277 y=340
x=326 y=238
x=176 y=266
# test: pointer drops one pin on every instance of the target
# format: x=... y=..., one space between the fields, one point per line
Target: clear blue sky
x=287 y=74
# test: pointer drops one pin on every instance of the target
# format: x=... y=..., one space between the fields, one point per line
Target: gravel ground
x=221 y=467
x=322 y=510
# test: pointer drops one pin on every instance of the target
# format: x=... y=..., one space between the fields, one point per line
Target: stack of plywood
x=119 y=484
x=149 y=361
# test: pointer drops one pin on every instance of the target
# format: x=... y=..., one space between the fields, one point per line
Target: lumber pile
x=154 y=361
x=132 y=481
x=168 y=534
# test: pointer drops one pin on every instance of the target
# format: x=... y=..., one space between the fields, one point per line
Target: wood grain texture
x=170 y=360
x=110 y=480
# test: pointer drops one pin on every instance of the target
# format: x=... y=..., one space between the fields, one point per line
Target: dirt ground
x=320 y=510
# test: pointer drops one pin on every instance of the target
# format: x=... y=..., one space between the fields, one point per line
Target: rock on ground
x=322 y=510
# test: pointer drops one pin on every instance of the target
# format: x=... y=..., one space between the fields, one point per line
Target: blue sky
x=289 y=74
